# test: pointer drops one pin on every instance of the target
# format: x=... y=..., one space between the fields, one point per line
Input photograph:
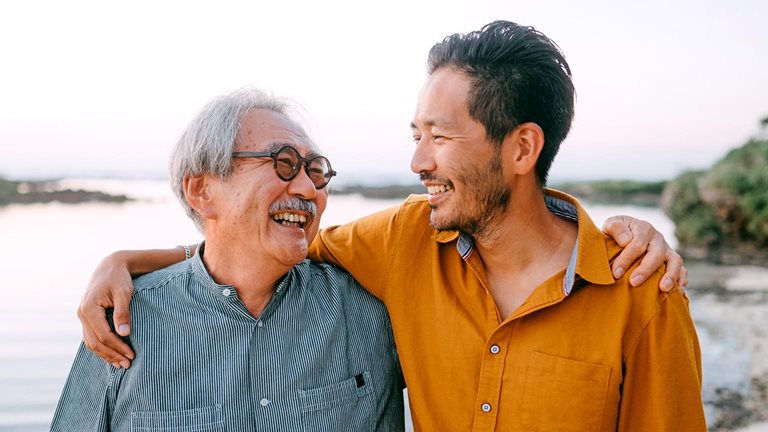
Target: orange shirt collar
x=592 y=262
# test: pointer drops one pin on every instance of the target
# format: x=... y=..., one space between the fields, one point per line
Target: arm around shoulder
x=363 y=247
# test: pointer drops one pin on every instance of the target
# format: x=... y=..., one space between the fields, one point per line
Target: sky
x=105 y=88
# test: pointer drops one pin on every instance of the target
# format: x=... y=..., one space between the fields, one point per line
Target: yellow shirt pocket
x=564 y=395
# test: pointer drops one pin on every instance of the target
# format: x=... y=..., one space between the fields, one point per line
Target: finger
x=631 y=253
x=673 y=273
x=653 y=259
x=95 y=319
x=121 y=315
x=103 y=351
x=618 y=228
x=682 y=281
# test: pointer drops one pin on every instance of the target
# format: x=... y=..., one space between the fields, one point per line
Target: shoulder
x=415 y=205
x=649 y=305
x=162 y=278
x=334 y=282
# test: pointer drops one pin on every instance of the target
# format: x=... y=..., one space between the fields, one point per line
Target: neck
x=526 y=236
x=254 y=276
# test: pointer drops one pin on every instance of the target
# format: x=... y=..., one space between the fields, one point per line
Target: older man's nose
x=302 y=186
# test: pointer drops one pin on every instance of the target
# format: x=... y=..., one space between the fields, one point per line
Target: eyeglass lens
x=288 y=164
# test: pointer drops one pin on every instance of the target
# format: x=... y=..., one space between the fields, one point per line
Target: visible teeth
x=290 y=218
x=437 y=189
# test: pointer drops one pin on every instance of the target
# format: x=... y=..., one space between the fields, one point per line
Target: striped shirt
x=320 y=357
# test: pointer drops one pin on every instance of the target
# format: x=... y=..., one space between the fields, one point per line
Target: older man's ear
x=198 y=191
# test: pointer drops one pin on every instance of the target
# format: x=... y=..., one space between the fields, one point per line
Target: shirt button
x=264 y=402
x=486 y=407
x=226 y=292
x=260 y=323
x=495 y=349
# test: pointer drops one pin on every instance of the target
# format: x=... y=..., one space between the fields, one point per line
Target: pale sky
x=105 y=88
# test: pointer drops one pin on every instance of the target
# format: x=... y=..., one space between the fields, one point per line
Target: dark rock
x=16 y=192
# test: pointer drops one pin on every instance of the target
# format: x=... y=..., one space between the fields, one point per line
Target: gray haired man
x=247 y=334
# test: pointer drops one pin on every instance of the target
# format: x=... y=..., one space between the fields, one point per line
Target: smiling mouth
x=438 y=189
x=294 y=220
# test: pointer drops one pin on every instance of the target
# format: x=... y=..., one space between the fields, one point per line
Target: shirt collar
x=297 y=274
x=591 y=253
x=205 y=279
x=590 y=258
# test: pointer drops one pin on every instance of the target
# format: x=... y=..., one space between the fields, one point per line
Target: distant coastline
x=41 y=192
x=615 y=192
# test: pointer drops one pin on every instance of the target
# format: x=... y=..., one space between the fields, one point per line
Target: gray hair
x=207 y=144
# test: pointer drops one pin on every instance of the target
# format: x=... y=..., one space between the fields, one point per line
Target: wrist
x=120 y=259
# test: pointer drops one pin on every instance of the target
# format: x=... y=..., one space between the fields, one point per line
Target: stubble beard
x=486 y=200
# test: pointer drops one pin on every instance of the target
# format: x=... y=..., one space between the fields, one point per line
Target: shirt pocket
x=564 y=395
x=349 y=405
x=206 y=419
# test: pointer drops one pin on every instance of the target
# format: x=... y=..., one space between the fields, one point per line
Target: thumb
x=121 y=314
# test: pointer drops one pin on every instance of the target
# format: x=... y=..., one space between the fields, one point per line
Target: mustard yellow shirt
x=585 y=352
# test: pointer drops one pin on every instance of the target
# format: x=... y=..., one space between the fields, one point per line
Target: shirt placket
x=262 y=397
x=486 y=406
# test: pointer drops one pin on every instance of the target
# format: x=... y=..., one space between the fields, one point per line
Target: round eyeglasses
x=287 y=163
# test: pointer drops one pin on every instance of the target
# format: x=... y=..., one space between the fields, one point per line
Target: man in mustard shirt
x=506 y=312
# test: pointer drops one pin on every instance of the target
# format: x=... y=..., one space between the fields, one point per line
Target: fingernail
x=116 y=365
x=636 y=279
x=129 y=355
x=619 y=272
x=666 y=284
x=124 y=329
x=125 y=364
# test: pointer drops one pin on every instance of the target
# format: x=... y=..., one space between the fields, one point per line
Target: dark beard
x=487 y=199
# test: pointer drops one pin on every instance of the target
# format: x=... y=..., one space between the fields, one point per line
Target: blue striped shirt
x=320 y=357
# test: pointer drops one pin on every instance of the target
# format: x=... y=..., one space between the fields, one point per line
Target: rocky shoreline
x=42 y=192
x=729 y=305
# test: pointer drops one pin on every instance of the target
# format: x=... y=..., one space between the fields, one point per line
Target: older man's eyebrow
x=275 y=146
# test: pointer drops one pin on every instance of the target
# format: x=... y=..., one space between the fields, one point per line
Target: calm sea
x=49 y=250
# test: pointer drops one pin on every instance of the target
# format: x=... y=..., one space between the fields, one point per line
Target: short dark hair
x=517 y=75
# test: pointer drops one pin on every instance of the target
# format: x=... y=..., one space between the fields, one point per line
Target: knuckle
x=635 y=248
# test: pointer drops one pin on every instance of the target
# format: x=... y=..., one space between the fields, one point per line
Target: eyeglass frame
x=301 y=161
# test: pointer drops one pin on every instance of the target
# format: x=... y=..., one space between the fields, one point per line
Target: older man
x=246 y=335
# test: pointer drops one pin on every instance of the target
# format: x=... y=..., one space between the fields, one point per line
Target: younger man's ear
x=522 y=147
x=198 y=191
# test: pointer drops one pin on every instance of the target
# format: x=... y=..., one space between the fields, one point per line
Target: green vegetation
x=8 y=187
x=724 y=210
x=615 y=191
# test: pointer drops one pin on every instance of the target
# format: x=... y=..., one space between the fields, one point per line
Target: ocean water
x=49 y=250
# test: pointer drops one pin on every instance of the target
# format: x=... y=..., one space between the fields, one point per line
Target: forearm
x=139 y=262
